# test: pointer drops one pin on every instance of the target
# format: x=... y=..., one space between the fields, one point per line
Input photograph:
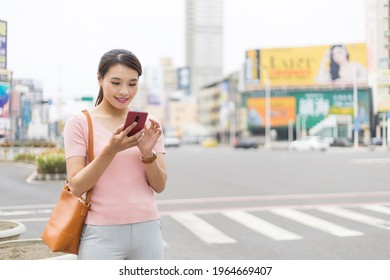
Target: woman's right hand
x=120 y=141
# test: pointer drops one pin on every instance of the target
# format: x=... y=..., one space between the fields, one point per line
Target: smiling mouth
x=122 y=100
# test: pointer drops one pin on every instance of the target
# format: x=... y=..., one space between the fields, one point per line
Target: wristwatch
x=149 y=159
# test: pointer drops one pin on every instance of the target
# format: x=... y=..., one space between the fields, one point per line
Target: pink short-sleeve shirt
x=122 y=194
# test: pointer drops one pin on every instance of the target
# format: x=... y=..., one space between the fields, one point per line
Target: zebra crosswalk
x=316 y=223
x=203 y=230
x=358 y=217
x=275 y=229
x=336 y=221
x=261 y=226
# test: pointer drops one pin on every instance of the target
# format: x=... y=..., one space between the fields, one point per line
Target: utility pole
x=290 y=130
x=267 y=113
x=355 y=116
x=57 y=134
x=384 y=133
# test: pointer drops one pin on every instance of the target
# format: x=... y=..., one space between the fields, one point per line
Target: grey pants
x=140 y=241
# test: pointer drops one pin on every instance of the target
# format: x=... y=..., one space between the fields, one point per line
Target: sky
x=60 y=42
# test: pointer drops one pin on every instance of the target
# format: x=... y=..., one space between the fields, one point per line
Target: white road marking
x=28 y=212
x=30 y=220
x=370 y=160
x=263 y=227
x=309 y=196
x=316 y=223
x=202 y=229
x=357 y=217
x=33 y=206
x=377 y=208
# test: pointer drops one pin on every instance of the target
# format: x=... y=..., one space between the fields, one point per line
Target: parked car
x=310 y=143
x=376 y=141
x=342 y=142
x=171 y=141
x=246 y=143
x=210 y=143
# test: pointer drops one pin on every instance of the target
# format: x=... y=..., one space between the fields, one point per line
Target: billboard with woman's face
x=308 y=66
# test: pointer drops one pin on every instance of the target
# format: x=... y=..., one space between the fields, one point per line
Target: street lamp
x=355 y=115
x=267 y=112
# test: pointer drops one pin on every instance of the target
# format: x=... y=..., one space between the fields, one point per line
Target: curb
x=63 y=257
x=35 y=177
x=12 y=233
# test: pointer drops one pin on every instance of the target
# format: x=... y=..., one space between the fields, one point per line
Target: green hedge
x=25 y=157
x=51 y=163
x=37 y=143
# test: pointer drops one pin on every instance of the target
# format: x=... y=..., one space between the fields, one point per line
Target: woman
x=123 y=221
x=341 y=70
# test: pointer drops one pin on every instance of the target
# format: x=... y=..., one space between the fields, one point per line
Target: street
x=222 y=203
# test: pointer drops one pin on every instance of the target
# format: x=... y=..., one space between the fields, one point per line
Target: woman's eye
x=114 y=83
x=132 y=85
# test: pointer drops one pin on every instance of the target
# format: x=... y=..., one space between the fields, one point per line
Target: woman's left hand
x=149 y=138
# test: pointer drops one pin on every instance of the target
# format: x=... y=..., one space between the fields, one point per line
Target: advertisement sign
x=313 y=106
x=5 y=75
x=184 y=79
x=4 y=108
x=252 y=67
x=283 y=109
x=3 y=44
x=383 y=101
x=4 y=94
x=308 y=66
x=316 y=106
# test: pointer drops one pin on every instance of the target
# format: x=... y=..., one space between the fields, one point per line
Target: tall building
x=204 y=42
x=378 y=46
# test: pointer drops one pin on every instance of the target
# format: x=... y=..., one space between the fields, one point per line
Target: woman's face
x=339 y=55
x=120 y=85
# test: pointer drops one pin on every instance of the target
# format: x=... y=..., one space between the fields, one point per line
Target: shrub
x=25 y=157
x=51 y=163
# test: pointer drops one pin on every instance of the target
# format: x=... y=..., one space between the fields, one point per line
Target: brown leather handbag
x=63 y=230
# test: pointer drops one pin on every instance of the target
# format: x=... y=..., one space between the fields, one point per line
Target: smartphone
x=139 y=118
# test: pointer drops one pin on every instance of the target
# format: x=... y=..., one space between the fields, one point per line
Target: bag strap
x=90 y=136
x=90 y=149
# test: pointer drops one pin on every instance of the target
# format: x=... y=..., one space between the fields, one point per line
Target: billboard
x=184 y=79
x=252 y=66
x=4 y=108
x=5 y=75
x=283 y=109
x=3 y=44
x=308 y=66
x=4 y=93
x=311 y=105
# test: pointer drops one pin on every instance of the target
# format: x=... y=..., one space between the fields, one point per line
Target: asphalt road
x=223 y=203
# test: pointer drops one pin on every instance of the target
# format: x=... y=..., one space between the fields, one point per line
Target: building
x=183 y=116
x=378 y=45
x=204 y=42
x=219 y=108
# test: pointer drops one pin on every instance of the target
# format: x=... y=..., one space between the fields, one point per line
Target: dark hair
x=334 y=67
x=112 y=58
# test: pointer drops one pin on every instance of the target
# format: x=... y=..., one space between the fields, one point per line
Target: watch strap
x=149 y=159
